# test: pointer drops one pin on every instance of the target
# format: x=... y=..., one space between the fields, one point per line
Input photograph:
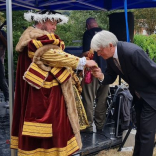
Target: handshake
x=95 y=70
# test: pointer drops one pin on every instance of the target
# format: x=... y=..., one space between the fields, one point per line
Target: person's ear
x=110 y=45
x=87 y=26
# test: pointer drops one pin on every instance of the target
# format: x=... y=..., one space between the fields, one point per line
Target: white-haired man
x=45 y=120
x=139 y=71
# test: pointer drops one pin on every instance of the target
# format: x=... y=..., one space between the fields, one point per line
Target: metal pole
x=126 y=20
x=10 y=61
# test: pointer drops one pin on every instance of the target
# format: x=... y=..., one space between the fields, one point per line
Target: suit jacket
x=139 y=71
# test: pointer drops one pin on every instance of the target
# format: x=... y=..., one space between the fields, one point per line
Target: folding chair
x=111 y=102
x=115 y=99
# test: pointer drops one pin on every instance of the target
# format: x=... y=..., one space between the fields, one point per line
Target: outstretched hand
x=91 y=63
x=96 y=72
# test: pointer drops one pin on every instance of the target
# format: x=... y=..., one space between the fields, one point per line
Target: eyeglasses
x=99 y=51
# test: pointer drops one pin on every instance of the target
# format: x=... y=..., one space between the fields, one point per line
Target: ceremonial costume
x=45 y=119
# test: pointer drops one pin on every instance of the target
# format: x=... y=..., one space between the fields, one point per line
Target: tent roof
x=77 y=4
x=58 y=5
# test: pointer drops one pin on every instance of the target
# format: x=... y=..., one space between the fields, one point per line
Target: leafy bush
x=153 y=36
x=19 y=25
x=148 y=44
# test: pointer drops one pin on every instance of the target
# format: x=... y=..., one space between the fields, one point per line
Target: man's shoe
x=99 y=131
x=88 y=130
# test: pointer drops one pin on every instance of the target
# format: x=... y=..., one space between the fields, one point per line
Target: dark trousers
x=146 y=127
x=89 y=93
x=3 y=84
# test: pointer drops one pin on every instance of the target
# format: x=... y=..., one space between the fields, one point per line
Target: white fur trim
x=42 y=17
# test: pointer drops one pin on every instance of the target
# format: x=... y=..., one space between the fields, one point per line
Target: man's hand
x=96 y=71
x=91 y=63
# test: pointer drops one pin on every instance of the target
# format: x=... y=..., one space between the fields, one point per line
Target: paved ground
x=4 y=129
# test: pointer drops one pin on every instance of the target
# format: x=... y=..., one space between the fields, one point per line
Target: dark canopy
x=77 y=4
x=59 y=5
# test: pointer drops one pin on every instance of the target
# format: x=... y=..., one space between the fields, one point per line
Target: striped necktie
x=116 y=61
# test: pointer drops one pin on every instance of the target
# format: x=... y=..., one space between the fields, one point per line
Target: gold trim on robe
x=31 y=54
x=83 y=121
x=37 y=129
x=35 y=76
x=50 y=84
x=61 y=74
x=68 y=150
x=37 y=43
x=14 y=142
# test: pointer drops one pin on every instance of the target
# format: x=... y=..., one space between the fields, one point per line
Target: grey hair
x=102 y=39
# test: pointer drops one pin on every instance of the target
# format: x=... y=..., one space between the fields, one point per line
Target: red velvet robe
x=40 y=122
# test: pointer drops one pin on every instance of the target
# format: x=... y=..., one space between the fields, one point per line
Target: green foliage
x=1 y=18
x=153 y=36
x=75 y=28
x=145 y=18
x=148 y=44
x=19 y=25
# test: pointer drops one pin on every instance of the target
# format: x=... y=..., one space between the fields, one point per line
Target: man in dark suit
x=139 y=71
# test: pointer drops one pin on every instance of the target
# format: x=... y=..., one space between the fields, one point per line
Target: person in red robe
x=45 y=118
